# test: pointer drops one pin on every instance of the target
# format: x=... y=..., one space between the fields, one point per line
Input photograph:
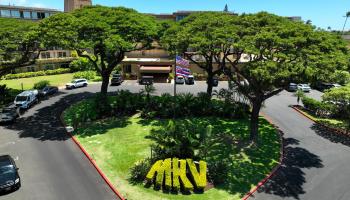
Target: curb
x=338 y=131
x=275 y=169
x=92 y=161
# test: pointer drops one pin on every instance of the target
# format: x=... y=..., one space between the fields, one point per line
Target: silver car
x=304 y=87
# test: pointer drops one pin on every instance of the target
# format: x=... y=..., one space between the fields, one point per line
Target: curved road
x=317 y=162
x=53 y=168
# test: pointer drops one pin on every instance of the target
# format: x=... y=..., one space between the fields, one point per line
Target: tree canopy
x=205 y=39
x=271 y=51
x=101 y=34
x=19 y=44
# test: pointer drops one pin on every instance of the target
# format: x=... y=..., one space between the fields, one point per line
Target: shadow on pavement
x=289 y=179
x=44 y=124
x=330 y=135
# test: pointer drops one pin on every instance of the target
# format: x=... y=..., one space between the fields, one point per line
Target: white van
x=26 y=99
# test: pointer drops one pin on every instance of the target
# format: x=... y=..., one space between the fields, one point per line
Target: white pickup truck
x=26 y=99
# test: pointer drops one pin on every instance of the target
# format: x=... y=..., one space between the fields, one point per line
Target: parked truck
x=26 y=99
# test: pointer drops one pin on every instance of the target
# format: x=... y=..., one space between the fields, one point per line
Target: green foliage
x=18 y=44
x=35 y=74
x=109 y=32
x=340 y=98
x=7 y=95
x=81 y=64
x=81 y=112
x=341 y=77
x=139 y=171
x=41 y=84
x=319 y=108
x=89 y=75
x=209 y=33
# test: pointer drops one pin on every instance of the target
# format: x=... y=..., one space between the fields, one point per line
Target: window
x=40 y=15
x=5 y=13
x=34 y=15
x=62 y=54
x=26 y=15
x=15 y=14
x=127 y=68
x=45 y=55
x=47 y=15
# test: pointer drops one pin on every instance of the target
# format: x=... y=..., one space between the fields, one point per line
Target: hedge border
x=336 y=130
x=276 y=168
x=92 y=161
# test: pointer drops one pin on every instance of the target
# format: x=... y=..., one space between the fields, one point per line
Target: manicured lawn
x=28 y=83
x=116 y=144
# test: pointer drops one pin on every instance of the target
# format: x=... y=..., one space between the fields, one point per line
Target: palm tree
x=346 y=20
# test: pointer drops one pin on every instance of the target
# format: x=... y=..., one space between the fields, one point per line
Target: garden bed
x=117 y=143
x=339 y=126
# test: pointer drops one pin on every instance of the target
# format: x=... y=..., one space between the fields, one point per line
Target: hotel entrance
x=160 y=73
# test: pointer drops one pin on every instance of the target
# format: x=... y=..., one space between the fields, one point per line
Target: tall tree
x=205 y=39
x=346 y=20
x=271 y=51
x=19 y=44
x=101 y=34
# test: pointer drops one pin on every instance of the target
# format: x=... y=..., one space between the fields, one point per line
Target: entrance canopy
x=155 y=69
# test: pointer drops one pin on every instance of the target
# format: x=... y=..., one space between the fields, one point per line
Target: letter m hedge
x=160 y=167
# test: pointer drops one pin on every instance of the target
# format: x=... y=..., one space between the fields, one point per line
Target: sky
x=322 y=13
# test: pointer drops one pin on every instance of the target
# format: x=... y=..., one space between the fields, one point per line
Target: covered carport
x=160 y=73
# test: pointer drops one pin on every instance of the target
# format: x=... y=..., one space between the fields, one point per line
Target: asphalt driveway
x=316 y=163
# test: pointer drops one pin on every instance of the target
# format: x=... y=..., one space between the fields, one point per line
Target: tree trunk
x=254 y=121
x=210 y=84
x=105 y=83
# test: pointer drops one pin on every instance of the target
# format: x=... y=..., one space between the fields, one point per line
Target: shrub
x=139 y=171
x=81 y=64
x=179 y=173
x=41 y=84
x=199 y=178
x=89 y=75
x=38 y=73
x=320 y=109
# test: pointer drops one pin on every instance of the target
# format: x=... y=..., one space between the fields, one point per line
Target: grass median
x=117 y=143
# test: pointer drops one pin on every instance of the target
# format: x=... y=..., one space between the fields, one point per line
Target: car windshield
x=21 y=98
x=7 y=169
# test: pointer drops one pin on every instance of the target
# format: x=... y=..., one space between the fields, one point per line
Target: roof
x=26 y=93
x=28 y=8
x=155 y=69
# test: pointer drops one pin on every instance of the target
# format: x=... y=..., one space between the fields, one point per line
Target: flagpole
x=175 y=74
x=175 y=85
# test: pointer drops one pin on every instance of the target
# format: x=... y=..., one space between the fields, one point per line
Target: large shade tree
x=101 y=34
x=19 y=44
x=203 y=38
x=271 y=51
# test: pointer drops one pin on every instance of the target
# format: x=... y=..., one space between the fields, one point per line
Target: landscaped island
x=140 y=131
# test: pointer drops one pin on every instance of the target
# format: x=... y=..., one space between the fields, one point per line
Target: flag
x=182 y=62
x=181 y=71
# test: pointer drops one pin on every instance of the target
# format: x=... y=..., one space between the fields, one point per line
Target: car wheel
x=85 y=85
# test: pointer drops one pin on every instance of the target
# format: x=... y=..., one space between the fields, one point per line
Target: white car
x=76 y=83
x=26 y=99
x=304 y=87
x=179 y=80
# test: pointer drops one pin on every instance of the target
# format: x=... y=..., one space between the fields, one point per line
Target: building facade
x=70 y=5
x=52 y=58
x=28 y=13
